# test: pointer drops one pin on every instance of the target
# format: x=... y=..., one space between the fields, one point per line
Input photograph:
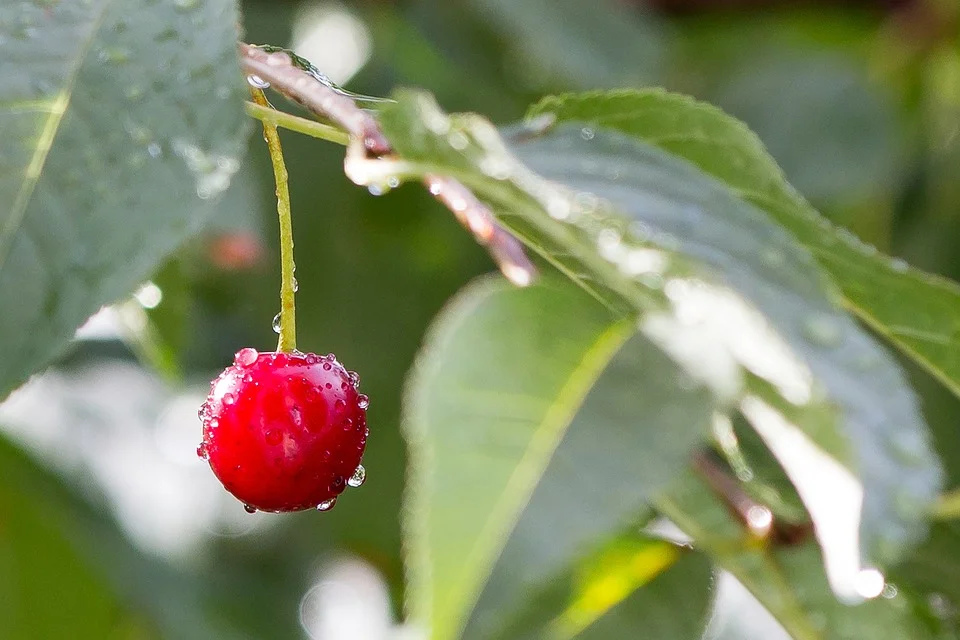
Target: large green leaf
x=497 y=453
x=726 y=292
x=916 y=311
x=122 y=122
x=788 y=580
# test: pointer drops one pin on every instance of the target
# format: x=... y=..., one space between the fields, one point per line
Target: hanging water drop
x=276 y=323
x=257 y=82
x=326 y=505
x=358 y=477
x=249 y=508
x=363 y=401
x=354 y=378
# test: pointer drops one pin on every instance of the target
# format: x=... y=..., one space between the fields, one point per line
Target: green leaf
x=915 y=311
x=47 y=589
x=727 y=293
x=788 y=580
x=500 y=454
x=123 y=122
x=631 y=582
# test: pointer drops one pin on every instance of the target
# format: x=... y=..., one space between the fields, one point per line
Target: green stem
x=288 y=314
x=269 y=116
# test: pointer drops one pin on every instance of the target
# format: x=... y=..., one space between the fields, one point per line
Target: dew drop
x=347 y=424
x=276 y=323
x=899 y=265
x=358 y=477
x=229 y=399
x=202 y=451
x=311 y=359
x=296 y=285
x=327 y=366
x=274 y=437
x=587 y=133
x=249 y=508
x=257 y=82
x=378 y=189
x=869 y=583
x=213 y=423
x=354 y=378
x=326 y=505
x=339 y=404
x=940 y=606
x=246 y=357
x=822 y=330
x=363 y=401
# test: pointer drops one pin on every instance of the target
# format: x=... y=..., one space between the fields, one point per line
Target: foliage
x=711 y=382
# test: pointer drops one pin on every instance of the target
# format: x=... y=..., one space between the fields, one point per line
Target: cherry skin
x=285 y=431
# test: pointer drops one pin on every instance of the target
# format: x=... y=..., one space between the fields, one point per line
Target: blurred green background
x=111 y=527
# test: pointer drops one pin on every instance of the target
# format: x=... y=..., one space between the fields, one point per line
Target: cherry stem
x=296 y=123
x=288 y=288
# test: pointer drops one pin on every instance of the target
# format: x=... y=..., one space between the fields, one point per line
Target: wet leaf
x=726 y=292
x=915 y=311
x=123 y=124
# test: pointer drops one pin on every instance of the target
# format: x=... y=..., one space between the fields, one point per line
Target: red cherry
x=285 y=431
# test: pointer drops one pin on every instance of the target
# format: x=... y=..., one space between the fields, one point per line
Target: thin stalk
x=268 y=115
x=288 y=314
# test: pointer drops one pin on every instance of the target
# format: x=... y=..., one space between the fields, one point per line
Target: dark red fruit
x=285 y=431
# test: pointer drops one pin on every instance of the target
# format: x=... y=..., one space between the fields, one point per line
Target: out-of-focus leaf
x=833 y=135
x=501 y=455
x=47 y=590
x=601 y=44
x=915 y=311
x=68 y=572
x=122 y=123
x=632 y=584
x=726 y=292
x=788 y=580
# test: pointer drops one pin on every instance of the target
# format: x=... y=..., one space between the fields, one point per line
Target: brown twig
x=757 y=517
x=277 y=69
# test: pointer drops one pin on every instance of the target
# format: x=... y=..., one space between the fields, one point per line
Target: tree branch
x=279 y=70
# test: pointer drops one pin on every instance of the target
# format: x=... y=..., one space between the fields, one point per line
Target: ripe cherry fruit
x=285 y=431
